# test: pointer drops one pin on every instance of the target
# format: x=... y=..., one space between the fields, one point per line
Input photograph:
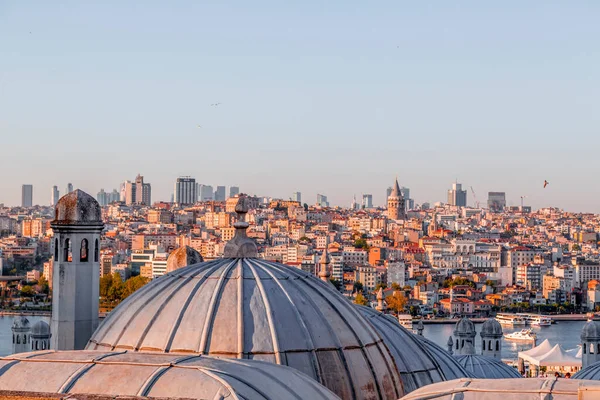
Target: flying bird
x=199 y=126
x=215 y=104
x=545 y=183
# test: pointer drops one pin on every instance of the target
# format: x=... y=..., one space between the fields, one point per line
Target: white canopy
x=576 y=352
x=556 y=357
x=537 y=351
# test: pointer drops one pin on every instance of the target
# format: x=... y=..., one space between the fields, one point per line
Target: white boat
x=510 y=319
x=524 y=335
x=536 y=320
x=406 y=321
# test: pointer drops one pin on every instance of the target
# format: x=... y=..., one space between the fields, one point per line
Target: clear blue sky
x=335 y=97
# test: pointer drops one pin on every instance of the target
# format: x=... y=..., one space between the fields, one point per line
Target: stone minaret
x=450 y=345
x=395 y=203
x=464 y=337
x=21 y=335
x=491 y=339
x=590 y=339
x=76 y=270
x=380 y=301
x=324 y=273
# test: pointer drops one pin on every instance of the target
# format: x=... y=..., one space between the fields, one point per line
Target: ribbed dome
x=464 y=326
x=419 y=361
x=591 y=372
x=591 y=331
x=106 y=375
x=491 y=328
x=182 y=257
x=21 y=323
x=487 y=367
x=250 y=308
x=77 y=208
x=40 y=330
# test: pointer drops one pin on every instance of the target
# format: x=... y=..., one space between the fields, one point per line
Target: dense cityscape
x=432 y=260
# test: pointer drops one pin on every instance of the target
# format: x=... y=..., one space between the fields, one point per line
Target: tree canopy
x=360 y=299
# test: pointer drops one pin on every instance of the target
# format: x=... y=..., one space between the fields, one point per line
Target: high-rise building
x=322 y=200
x=185 y=191
x=396 y=208
x=114 y=196
x=27 y=196
x=206 y=193
x=69 y=188
x=220 y=193
x=496 y=201
x=102 y=198
x=297 y=196
x=123 y=192
x=55 y=195
x=138 y=192
x=409 y=203
x=388 y=191
x=367 y=201
x=457 y=196
x=233 y=191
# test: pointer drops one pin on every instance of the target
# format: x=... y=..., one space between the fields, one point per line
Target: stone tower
x=21 y=335
x=491 y=337
x=590 y=339
x=76 y=272
x=395 y=203
x=464 y=337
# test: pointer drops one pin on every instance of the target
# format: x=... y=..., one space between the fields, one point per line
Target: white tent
x=537 y=351
x=577 y=352
x=556 y=357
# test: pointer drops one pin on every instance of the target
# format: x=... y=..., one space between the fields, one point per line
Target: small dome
x=40 y=330
x=591 y=372
x=21 y=323
x=182 y=257
x=464 y=327
x=250 y=308
x=491 y=328
x=419 y=361
x=77 y=208
x=591 y=331
x=487 y=367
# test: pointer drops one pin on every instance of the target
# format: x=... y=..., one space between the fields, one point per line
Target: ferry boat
x=510 y=319
x=406 y=321
x=536 y=320
x=524 y=335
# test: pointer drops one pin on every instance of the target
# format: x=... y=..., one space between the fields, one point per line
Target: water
x=564 y=332
x=6 y=322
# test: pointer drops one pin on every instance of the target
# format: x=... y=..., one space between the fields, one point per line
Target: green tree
x=396 y=301
x=43 y=285
x=396 y=286
x=105 y=284
x=133 y=284
x=361 y=244
x=380 y=286
x=490 y=282
x=115 y=292
x=358 y=286
x=360 y=299
x=336 y=283
x=576 y=247
x=27 y=291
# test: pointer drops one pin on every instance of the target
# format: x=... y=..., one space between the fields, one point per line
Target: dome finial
x=380 y=297
x=450 y=345
x=324 y=271
x=241 y=246
x=420 y=328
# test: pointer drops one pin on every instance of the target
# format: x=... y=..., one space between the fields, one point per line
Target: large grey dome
x=491 y=328
x=591 y=331
x=40 y=330
x=254 y=309
x=487 y=367
x=77 y=208
x=87 y=374
x=591 y=372
x=419 y=361
x=464 y=326
x=21 y=323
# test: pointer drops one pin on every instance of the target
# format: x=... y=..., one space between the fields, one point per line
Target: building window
x=56 y=249
x=497 y=345
x=68 y=256
x=96 y=251
x=83 y=252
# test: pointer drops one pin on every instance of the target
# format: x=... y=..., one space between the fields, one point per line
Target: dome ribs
x=240 y=309
x=210 y=315
x=209 y=271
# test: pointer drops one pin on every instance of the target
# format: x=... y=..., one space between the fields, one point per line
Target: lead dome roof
x=255 y=309
x=464 y=326
x=591 y=372
x=40 y=329
x=419 y=361
x=127 y=374
x=486 y=367
x=491 y=328
x=591 y=331
x=77 y=208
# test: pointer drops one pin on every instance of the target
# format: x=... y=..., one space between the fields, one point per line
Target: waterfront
x=564 y=332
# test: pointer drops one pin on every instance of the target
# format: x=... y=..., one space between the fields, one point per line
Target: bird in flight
x=199 y=126
x=215 y=104
x=545 y=183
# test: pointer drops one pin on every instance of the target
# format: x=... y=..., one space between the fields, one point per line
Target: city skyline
x=428 y=93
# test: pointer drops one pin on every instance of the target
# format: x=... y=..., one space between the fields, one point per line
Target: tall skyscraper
x=102 y=198
x=206 y=193
x=496 y=201
x=297 y=196
x=396 y=209
x=457 y=196
x=138 y=192
x=55 y=195
x=220 y=193
x=322 y=200
x=409 y=203
x=69 y=188
x=114 y=196
x=185 y=191
x=233 y=191
x=388 y=191
x=367 y=201
x=27 y=196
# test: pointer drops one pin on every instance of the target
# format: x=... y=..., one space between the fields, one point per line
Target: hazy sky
x=336 y=97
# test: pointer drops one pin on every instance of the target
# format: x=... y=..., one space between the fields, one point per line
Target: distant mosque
x=241 y=327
